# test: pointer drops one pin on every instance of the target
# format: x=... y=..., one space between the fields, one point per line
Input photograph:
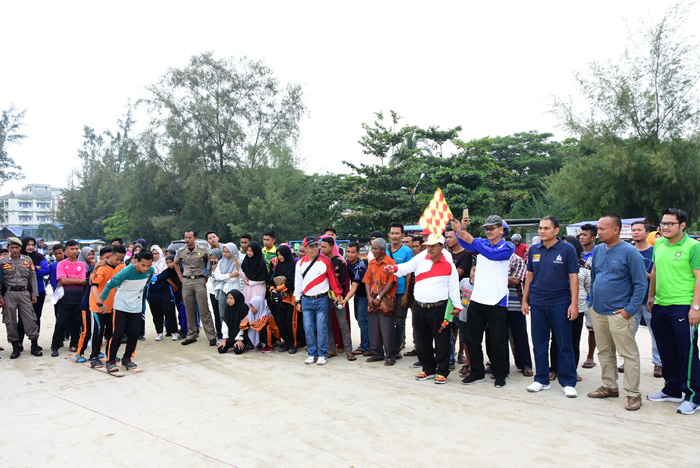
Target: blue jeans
x=315 y=313
x=655 y=358
x=362 y=318
x=555 y=318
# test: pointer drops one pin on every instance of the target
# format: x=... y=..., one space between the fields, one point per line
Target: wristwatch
x=100 y=304
x=696 y=307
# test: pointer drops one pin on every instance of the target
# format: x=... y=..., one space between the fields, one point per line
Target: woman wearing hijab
x=226 y=276
x=160 y=295
x=215 y=255
x=282 y=298
x=255 y=272
x=584 y=286
x=41 y=266
x=260 y=323
x=235 y=312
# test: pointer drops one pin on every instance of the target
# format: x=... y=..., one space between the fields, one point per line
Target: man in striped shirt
x=314 y=276
x=436 y=282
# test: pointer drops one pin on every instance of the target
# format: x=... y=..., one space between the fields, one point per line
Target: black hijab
x=234 y=314
x=579 y=249
x=287 y=267
x=35 y=256
x=254 y=267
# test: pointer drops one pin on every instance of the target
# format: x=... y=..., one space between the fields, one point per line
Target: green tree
x=10 y=124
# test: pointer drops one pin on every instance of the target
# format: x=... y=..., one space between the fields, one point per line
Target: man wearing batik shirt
x=517 y=323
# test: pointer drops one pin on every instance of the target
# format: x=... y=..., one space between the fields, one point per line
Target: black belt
x=194 y=277
x=429 y=305
x=315 y=297
x=17 y=288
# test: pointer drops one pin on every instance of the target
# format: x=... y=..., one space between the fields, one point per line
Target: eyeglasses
x=669 y=224
x=491 y=228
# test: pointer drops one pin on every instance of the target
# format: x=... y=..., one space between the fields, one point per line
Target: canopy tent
x=626 y=233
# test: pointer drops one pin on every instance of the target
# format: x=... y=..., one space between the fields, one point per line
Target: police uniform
x=194 y=290
x=19 y=286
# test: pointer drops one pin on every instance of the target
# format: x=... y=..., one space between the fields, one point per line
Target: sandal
x=464 y=371
x=588 y=365
x=527 y=372
x=357 y=352
x=411 y=353
x=461 y=359
x=330 y=355
x=552 y=376
x=579 y=378
x=351 y=357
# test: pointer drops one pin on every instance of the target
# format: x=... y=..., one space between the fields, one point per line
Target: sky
x=491 y=67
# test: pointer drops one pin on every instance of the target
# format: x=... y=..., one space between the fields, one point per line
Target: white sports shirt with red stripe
x=319 y=279
x=435 y=282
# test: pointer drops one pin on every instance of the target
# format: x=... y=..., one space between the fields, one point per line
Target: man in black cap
x=489 y=299
x=19 y=292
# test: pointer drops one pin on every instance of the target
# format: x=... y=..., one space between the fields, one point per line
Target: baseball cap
x=434 y=239
x=310 y=240
x=493 y=220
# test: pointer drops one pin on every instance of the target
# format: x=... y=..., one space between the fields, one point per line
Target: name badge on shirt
x=536 y=258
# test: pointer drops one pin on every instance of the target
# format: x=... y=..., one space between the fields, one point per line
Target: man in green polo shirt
x=674 y=302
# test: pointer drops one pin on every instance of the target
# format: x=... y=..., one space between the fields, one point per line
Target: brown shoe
x=633 y=403
x=375 y=359
x=658 y=372
x=604 y=392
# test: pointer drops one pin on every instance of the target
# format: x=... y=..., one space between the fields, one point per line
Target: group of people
x=460 y=290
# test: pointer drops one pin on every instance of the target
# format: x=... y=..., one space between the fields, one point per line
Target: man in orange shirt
x=381 y=295
x=99 y=322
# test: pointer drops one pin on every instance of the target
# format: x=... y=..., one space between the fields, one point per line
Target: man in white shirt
x=436 y=282
x=314 y=276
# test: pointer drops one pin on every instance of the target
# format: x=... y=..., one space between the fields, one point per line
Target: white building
x=37 y=204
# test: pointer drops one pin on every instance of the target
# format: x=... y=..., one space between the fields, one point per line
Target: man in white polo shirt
x=489 y=300
x=436 y=282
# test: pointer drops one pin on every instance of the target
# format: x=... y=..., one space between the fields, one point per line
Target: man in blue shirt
x=551 y=290
x=488 y=300
x=618 y=286
x=400 y=254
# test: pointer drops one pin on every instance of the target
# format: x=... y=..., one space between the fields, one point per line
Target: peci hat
x=310 y=240
x=13 y=241
x=434 y=239
x=493 y=220
x=377 y=235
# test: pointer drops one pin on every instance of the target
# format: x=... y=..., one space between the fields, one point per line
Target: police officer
x=19 y=292
x=194 y=287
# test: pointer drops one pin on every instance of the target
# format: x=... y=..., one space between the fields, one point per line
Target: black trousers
x=215 y=313
x=38 y=307
x=517 y=325
x=284 y=316
x=495 y=317
x=68 y=315
x=426 y=326
x=124 y=322
x=576 y=329
x=163 y=309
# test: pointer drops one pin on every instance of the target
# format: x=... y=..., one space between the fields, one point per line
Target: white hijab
x=161 y=264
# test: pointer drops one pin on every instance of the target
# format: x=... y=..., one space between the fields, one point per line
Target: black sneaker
x=293 y=350
x=129 y=364
x=112 y=367
x=96 y=363
x=417 y=364
x=471 y=379
x=54 y=352
x=499 y=383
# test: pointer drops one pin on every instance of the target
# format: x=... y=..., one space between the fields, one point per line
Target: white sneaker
x=661 y=396
x=535 y=387
x=570 y=392
x=321 y=361
x=159 y=336
x=310 y=360
x=687 y=407
x=175 y=337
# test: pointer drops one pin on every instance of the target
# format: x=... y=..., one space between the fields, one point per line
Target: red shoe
x=268 y=349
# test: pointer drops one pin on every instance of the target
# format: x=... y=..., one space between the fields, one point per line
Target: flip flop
x=351 y=357
x=461 y=359
x=357 y=352
x=552 y=376
x=411 y=353
x=330 y=355
x=588 y=365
